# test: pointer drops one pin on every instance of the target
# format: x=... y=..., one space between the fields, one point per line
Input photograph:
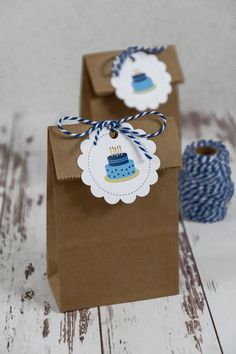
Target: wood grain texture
x=214 y=244
x=30 y=321
x=176 y=324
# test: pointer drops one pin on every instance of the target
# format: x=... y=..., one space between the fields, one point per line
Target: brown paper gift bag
x=98 y=100
x=99 y=254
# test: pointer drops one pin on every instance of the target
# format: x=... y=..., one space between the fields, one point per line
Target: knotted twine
x=117 y=126
x=121 y=58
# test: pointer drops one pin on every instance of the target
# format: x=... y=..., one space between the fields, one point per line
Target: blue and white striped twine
x=115 y=125
x=205 y=184
x=120 y=59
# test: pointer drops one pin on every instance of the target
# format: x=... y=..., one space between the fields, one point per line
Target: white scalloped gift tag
x=116 y=169
x=142 y=83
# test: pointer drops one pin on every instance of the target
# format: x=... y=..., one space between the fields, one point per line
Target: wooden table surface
x=201 y=319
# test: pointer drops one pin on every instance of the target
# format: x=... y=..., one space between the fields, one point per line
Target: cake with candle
x=142 y=83
x=119 y=167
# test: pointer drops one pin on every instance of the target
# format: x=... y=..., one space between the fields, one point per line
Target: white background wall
x=42 y=42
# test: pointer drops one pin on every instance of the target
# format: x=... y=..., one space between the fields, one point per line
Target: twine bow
x=115 y=126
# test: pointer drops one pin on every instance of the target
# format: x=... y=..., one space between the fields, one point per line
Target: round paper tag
x=142 y=83
x=116 y=168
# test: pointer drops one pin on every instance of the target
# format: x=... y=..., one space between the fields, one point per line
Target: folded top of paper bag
x=65 y=150
x=99 y=68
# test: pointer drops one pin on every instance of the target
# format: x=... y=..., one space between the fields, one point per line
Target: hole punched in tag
x=113 y=134
x=206 y=150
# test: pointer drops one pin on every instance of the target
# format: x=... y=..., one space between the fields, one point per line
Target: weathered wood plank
x=30 y=321
x=176 y=324
x=214 y=245
x=5 y=130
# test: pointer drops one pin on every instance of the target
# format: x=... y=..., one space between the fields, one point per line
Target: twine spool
x=205 y=181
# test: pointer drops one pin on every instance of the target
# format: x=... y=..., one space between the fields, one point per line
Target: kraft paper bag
x=98 y=100
x=100 y=254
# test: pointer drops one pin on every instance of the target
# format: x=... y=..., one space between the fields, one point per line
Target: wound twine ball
x=205 y=181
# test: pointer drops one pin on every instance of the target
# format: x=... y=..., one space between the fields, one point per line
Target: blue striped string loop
x=205 y=183
x=120 y=59
x=115 y=125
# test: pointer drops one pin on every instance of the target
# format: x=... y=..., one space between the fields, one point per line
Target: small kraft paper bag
x=112 y=211
x=116 y=84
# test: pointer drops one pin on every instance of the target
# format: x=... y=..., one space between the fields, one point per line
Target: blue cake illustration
x=119 y=167
x=142 y=83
